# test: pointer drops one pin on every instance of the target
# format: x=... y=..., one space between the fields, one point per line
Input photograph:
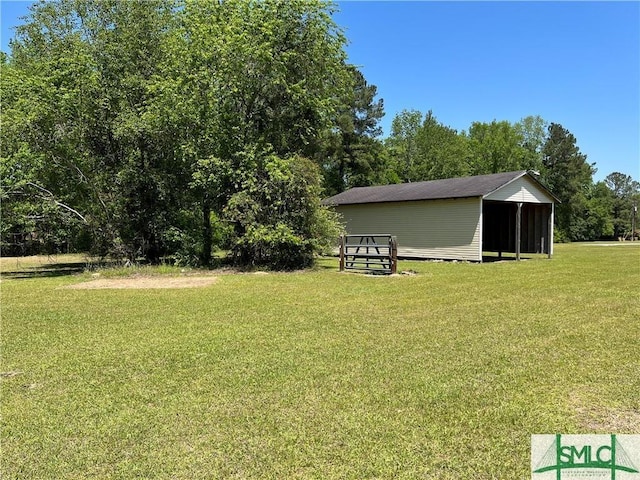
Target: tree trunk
x=205 y=255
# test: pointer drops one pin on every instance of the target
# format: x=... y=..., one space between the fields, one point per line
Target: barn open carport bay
x=315 y=374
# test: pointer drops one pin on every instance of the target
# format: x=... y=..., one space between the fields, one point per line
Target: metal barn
x=456 y=218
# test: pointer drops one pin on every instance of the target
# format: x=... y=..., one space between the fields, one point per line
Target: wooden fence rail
x=372 y=253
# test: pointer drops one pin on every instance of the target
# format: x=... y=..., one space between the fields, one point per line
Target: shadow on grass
x=324 y=265
x=53 y=269
x=493 y=259
x=47 y=270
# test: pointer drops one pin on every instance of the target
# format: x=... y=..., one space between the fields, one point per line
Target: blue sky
x=573 y=63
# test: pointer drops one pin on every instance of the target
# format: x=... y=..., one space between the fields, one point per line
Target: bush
x=277 y=217
x=277 y=247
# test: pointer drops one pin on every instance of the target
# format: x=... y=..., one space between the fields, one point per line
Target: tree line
x=421 y=148
x=162 y=130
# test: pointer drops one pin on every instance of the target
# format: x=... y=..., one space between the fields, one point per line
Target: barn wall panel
x=446 y=229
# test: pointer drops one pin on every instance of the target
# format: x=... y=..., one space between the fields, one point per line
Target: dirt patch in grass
x=609 y=420
x=598 y=418
x=147 y=282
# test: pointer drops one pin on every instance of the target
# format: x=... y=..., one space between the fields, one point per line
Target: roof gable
x=523 y=189
x=464 y=187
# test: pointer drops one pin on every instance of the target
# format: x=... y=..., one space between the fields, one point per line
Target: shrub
x=277 y=217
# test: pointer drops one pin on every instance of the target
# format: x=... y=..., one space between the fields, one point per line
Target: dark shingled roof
x=464 y=187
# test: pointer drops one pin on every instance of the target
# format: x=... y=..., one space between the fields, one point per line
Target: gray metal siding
x=446 y=229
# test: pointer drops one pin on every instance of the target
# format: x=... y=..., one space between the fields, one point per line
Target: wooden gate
x=371 y=253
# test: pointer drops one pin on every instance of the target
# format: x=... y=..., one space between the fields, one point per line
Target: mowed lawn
x=444 y=374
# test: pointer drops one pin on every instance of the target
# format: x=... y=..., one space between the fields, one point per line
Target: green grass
x=319 y=374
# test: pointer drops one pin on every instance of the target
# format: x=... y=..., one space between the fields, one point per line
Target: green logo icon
x=585 y=453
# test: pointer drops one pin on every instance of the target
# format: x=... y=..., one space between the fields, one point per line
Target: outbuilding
x=455 y=218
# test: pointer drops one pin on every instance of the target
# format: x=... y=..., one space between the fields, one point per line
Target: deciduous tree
x=122 y=108
x=625 y=191
x=442 y=151
x=495 y=147
x=402 y=144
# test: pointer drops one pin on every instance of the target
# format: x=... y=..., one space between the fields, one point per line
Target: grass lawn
x=444 y=374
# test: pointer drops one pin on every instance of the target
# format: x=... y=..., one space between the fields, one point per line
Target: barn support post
x=550 y=230
x=518 y=229
x=342 y=240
